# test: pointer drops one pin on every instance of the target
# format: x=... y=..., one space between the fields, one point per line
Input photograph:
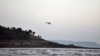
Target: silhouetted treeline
x=7 y=33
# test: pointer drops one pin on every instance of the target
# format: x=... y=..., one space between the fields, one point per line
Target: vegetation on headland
x=16 y=37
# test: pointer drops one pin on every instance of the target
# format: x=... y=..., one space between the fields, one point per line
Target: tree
x=29 y=31
x=13 y=28
x=19 y=29
x=39 y=36
x=33 y=33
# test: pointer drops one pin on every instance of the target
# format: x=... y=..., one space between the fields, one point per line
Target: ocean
x=48 y=52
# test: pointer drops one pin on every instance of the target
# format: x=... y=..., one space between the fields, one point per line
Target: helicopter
x=48 y=23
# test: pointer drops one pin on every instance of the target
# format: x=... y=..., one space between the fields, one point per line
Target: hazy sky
x=76 y=20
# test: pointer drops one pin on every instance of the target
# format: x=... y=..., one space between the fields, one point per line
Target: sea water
x=48 y=52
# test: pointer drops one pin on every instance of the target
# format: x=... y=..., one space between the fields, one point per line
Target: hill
x=79 y=43
x=16 y=37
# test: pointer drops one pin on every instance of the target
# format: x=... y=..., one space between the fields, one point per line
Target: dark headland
x=16 y=38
